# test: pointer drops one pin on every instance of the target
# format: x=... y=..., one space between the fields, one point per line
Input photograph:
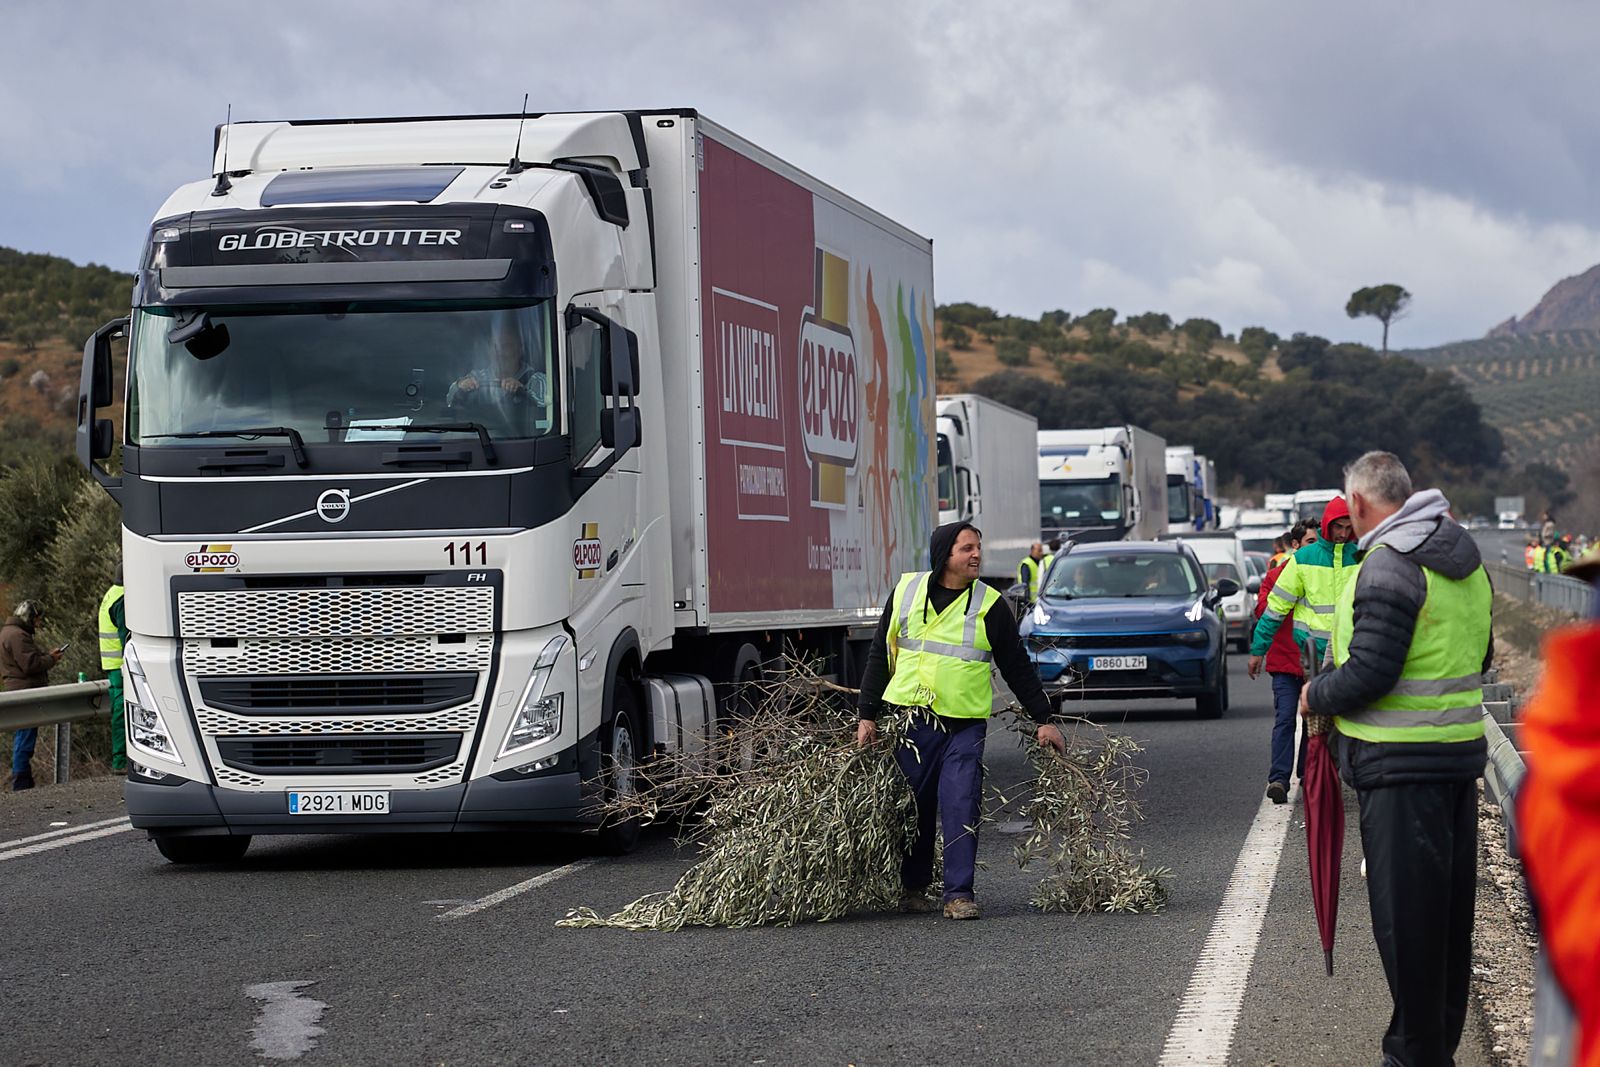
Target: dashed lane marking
x=502 y=895
x=15 y=842
x=9 y=853
x=1202 y=1033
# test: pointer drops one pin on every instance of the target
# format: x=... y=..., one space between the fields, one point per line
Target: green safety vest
x=1036 y=569
x=110 y=639
x=1553 y=560
x=1319 y=587
x=941 y=662
x=1439 y=696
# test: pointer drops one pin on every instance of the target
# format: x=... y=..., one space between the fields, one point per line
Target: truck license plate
x=337 y=802
x=1117 y=663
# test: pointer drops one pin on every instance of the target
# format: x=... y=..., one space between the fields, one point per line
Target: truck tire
x=739 y=670
x=621 y=766
x=177 y=849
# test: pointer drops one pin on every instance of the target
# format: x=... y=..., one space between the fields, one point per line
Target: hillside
x=1571 y=304
x=48 y=308
x=1276 y=414
x=1542 y=390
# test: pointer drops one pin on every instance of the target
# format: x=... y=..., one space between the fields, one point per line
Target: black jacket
x=1389 y=594
x=999 y=625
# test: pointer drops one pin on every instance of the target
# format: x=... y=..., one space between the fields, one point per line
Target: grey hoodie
x=1389 y=594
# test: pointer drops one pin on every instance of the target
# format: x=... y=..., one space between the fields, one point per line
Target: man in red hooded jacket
x=1558 y=814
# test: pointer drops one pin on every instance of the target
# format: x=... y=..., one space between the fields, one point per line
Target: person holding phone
x=24 y=665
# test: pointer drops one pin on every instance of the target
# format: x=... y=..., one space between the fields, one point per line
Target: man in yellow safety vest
x=113 y=629
x=941 y=632
x=1030 y=572
x=1411 y=640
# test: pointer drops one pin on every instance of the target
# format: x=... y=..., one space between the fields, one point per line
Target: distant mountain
x=1571 y=304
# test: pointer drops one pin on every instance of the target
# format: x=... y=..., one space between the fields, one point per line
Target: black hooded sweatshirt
x=1009 y=655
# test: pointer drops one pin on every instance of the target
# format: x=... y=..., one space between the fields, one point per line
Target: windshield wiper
x=297 y=444
x=489 y=455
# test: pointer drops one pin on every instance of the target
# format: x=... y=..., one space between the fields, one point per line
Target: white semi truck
x=1186 y=498
x=987 y=477
x=455 y=490
x=1103 y=484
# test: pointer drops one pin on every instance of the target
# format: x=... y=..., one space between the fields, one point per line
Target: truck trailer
x=471 y=463
x=1103 y=484
x=987 y=477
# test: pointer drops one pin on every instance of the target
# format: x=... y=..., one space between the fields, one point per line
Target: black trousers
x=1421 y=845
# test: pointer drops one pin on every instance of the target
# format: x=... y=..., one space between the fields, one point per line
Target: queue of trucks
x=471 y=463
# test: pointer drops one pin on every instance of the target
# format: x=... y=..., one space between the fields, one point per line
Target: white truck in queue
x=1105 y=484
x=987 y=477
x=455 y=490
x=1309 y=504
x=1191 y=490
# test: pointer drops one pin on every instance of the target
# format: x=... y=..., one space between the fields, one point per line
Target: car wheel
x=221 y=849
x=1211 y=705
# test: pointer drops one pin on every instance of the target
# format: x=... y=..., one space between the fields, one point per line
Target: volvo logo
x=334 y=505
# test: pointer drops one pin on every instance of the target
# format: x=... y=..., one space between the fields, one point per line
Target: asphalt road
x=112 y=955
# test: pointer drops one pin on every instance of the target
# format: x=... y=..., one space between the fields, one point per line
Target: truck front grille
x=339 y=753
x=348 y=693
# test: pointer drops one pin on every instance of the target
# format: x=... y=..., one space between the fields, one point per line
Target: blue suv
x=1131 y=620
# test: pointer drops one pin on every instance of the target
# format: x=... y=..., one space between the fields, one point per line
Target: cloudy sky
x=1251 y=161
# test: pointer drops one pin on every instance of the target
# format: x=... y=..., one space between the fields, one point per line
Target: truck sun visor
x=359 y=185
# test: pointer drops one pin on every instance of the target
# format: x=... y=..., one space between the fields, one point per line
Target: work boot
x=916 y=902
x=1278 y=792
x=21 y=782
x=961 y=908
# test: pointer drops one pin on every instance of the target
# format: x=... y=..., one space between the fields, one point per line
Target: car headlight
x=147 y=730
x=538 y=716
x=1192 y=637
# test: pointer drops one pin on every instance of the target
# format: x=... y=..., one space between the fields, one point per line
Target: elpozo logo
x=333 y=505
x=212 y=559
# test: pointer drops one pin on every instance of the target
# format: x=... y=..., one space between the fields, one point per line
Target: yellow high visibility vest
x=1035 y=570
x=942 y=661
x=110 y=639
x=1439 y=696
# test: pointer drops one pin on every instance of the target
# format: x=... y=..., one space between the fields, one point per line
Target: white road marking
x=15 y=842
x=62 y=842
x=1202 y=1033
x=502 y=895
x=287 y=1027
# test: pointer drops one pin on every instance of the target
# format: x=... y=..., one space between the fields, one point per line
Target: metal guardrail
x=1555 y=1030
x=1571 y=595
x=54 y=705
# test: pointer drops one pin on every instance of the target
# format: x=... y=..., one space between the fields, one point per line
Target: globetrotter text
x=236 y=242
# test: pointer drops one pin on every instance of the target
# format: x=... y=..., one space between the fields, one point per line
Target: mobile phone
x=64 y=647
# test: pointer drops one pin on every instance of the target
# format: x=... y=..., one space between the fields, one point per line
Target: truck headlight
x=147 y=730
x=538 y=716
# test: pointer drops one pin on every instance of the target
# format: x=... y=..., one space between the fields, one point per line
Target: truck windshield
x=346 y=375
x=1177 y=498
x=1085 y=503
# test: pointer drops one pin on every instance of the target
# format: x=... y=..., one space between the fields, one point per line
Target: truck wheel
x=621 y=753
x=202 y=849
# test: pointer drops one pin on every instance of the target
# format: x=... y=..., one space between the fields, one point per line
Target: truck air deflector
x=460 y=270
x=354 y=185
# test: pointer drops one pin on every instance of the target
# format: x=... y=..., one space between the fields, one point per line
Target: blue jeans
x=1286 y=708
x=948 y=783
x=22 y=752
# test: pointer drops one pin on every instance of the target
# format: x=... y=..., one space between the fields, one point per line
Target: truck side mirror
x=96 y=438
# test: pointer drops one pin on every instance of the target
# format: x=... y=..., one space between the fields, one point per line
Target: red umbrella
x=1324 y=829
